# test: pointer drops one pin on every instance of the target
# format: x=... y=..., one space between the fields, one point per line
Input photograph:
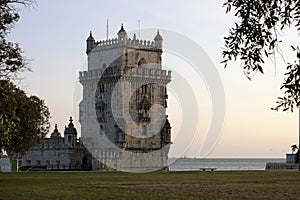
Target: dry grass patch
x=157 y=185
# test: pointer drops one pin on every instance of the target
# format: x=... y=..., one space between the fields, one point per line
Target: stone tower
x=122 y=113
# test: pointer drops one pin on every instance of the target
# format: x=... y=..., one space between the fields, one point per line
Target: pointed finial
x=55 y=126
x=71 y=120
x=90 y=38
x=134 y=36
x=122 y=28
x=158 y=36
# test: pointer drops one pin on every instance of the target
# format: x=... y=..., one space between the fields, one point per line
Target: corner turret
x=55 y=133
x=70 y=134
x=90 y=43
x=158 y=40
x=122 y=35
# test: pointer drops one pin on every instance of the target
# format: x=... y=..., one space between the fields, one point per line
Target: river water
x=188 y=164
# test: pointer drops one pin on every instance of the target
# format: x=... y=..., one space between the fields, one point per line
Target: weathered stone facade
x=58 y=153
x=122 y=114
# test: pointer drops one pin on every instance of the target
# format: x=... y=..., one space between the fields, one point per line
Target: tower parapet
x=124 y=40
x=158 y=74
x=133 y=43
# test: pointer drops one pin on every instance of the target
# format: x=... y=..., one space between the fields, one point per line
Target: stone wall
x=5 y=165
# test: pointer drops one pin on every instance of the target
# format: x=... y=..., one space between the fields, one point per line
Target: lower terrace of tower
x=137 y=72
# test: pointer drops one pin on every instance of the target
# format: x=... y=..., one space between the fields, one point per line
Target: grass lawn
x=156 y=185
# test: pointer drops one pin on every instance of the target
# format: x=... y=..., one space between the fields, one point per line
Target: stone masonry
x=123 y=111
x=59 y=153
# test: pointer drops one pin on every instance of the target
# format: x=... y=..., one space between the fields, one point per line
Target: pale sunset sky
x=53 y=35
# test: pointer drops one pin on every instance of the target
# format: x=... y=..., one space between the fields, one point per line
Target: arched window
x=142 y=61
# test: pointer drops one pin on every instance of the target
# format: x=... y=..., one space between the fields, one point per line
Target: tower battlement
x=124 y=41
x=135 y=72
x=130 y=43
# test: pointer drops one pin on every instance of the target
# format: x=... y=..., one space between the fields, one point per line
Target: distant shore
x=192 y=164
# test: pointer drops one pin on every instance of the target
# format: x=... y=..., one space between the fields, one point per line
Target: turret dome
x=158 y=36
x=90 y=38
x=55 y=133
x=122 y=30
x=90 y=43
x=122 y=35
x=70 y=129
x=158 y=40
